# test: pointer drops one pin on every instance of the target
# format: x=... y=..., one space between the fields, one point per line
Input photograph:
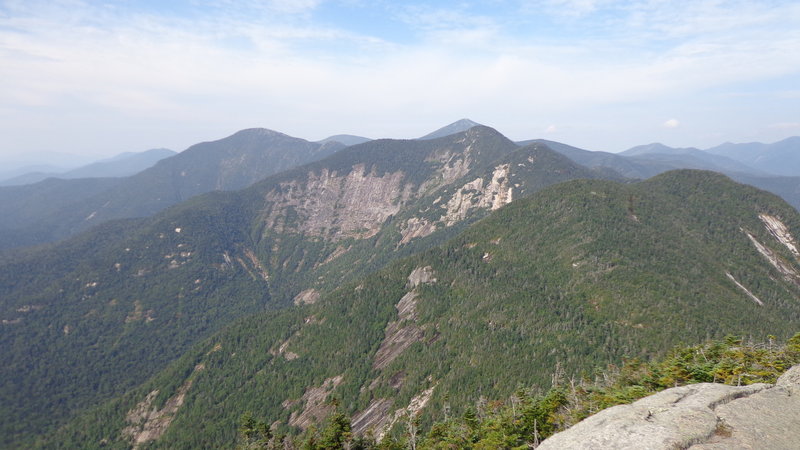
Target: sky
x=97 y=78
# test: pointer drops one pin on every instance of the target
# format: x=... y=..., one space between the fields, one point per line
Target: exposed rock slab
x=315 y=409
x=400 y=337
x=781 y=232
x=414 y=407
x=374 y=417
x=699 y=416
x=416 y=228
x=744 y=289
x=420 y=275
x=147 y=423
x=337 y=206
x=785 y=268
x=396 y=341
x=491 y=195
x=309 y=297
x=768 y=420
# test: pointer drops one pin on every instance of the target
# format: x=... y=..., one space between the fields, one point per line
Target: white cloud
x=270 y=64
x=450 y=26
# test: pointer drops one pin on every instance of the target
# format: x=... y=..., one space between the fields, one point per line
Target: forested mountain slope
x=581 y=274
x=90 y=317
x=227 y=164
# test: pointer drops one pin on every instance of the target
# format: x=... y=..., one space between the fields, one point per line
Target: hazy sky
x=103 y=77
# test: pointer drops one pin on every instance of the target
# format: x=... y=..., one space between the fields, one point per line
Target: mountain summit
x=455 y=127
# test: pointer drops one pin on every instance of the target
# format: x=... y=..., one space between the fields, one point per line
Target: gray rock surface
x=699 y=417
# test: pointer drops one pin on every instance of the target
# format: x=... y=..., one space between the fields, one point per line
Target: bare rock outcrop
x=397 y=340
x=402 y=333
x=374 y=417
x=147 y=423
x=315 y=408
x=415 y=228
x=770 y=419
x=780 y=231
x=420 y=275
x=337 y=206
x=379 y=420
x=699 y=416
x=784 y=267
x=308 y=297
x=480 y=193
x=491 y=194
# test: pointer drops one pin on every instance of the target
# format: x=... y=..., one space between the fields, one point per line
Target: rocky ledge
x=701 y=416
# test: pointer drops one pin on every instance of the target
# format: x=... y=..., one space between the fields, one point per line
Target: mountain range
x=390 y=274
x=645 y=161
x=780 y=158
x=122 y=165
x=578 y=275
x=146 y=290
x=31 y=214
x=688 y=158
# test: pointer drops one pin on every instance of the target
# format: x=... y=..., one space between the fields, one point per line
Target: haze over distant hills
x=781 y=158
x=755 y=158
x=689 y=158
x=45 y=161
x=122 y=165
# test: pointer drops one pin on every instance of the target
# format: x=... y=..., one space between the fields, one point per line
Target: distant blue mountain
x=691 y=158
x=780 y=158
x=122 y=165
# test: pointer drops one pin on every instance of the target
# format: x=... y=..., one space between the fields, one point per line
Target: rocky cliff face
x=336 y=206
x=354 y=199
x=700 y=417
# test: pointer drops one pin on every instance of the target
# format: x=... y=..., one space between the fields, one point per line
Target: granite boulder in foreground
x=699 y=416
